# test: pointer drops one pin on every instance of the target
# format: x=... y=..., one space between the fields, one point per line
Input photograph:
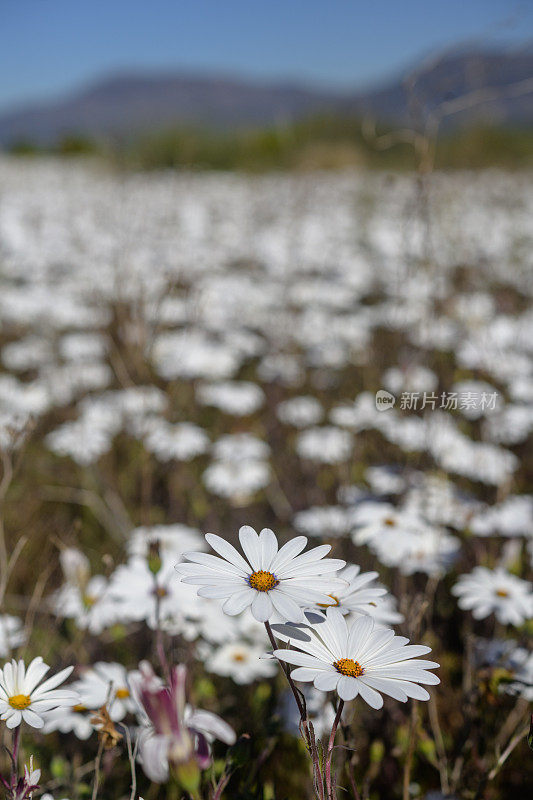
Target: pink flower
x=173 y=735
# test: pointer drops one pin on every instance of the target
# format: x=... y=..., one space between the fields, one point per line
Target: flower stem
x=159 y=644
x=15 y=754
x=307 y=733
x=330 y=789
x=300 y=701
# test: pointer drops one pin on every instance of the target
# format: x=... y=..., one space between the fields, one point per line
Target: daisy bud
x=154 y=557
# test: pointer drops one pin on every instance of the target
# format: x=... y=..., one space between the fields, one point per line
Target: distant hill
x=127 y=104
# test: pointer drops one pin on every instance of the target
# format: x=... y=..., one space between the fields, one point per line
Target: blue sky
x=48 y=47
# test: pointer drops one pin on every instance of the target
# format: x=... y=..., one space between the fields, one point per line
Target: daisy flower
x=240 y=661
x=233 y=397
x=75 y=719
x=11 y=634
x=300 y=411
x=325 y=445
x=138 y=595
x=171 y=539
x=328 y=521
x=357 y=595
x=360 y=659
x=486 y=591
x=270 y=580
x=88 y=605
x=386 y=611
x=237 y=480
x=373 y=520
x=21 y=697
x=106 y=681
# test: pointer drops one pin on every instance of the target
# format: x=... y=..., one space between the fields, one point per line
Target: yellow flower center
x=262 y=581
x=239 y=657
x=121 y=694
x=348 y=667
x=79 y=708
x=336 y=602
x=389 y=521
x=19 y=701
x=89 y=600
x=502 y=593
x=161 y=591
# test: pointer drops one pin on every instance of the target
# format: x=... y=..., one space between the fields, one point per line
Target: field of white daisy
x=266 y=505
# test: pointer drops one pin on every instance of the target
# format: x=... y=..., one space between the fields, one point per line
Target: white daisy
x=172 y=540
x=270 y=581
x=139 y=595
x=233 y=397
x=485 y=591
x=360 y=659
x=76 y=720
x=181 y=442
x=240 y=661
x=327 y=521
x=386 y=611
x=357 y=595
x=106 y=682
x=373 y=520
x=512 y=517
x=87 y=605
x=325 y=445
x=237 y=480
x=300 y=411
x=385 y=480
x=11 y=634
x=21 y=698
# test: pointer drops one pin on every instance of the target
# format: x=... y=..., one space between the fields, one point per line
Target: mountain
x=126 y=104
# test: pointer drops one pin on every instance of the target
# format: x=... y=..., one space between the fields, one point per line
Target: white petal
x=218 y=592
x=393 y=654
x=9 y=679
x=239 y=601
x=347 y=687
x=313 y=568
x=269 y=548
x=411 y=674
x=327 y=681
x=300 y=659
x=227 y=551
x=35 y=673
x=387 y=686
x=304 y=674
x=377 y=642
x=262 y=606
x=334 y=633
x=215 y=563
x=288 y=552
x=52 y=682
x=14 y=720
x=214 y=579
x=32 y=718
x=250 y=544
x=315 y=554
x=207 y=722
x=359 y=635
x=303 y=595
x=370 y=696
x=287 y=607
